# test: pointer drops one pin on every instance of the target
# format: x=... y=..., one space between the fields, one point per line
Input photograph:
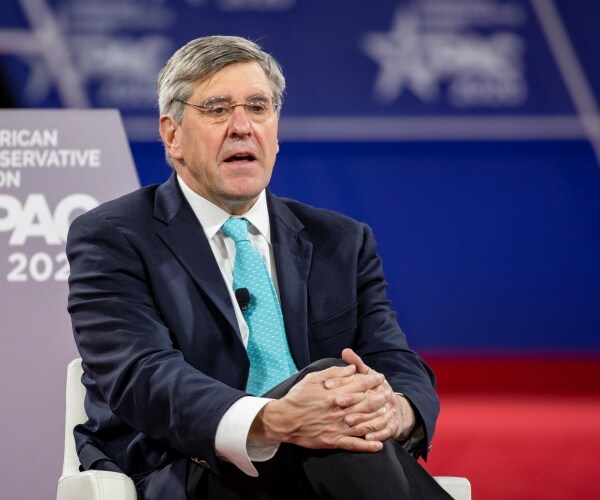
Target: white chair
x=458 y=488
x=91 y=484
x=104 y=485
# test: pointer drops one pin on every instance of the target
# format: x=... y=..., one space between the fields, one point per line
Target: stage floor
x=520 y=442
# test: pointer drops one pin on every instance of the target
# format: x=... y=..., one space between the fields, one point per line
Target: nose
x=239 y=122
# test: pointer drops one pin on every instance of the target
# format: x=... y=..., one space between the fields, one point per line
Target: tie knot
x=236 y=228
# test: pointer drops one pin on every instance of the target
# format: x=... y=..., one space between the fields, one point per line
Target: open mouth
x=240 y=157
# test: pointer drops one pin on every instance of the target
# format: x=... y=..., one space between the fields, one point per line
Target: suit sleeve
x=383 y=346
x=127 y=350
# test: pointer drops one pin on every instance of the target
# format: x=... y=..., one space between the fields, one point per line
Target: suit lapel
x=292 y=261
x=183 y=234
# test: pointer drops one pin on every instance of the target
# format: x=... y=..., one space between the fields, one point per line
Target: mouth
x=240 y=157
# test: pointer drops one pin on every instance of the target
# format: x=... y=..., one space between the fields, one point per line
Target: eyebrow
x=221 y=99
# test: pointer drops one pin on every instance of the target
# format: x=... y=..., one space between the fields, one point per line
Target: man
x=165 y=304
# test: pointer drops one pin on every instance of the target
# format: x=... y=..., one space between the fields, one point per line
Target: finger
x=355 y=419
x=366 y=404
x=350 y=357
x=335 y=383
x=382 y=427
x=390 y=429
x=386 y=433
x=334 y=372
x=358 y=444
x=363 y=388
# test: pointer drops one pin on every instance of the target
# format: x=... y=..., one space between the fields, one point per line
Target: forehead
x=240 y=79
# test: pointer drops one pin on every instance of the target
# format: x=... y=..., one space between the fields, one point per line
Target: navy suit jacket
x=161 y=348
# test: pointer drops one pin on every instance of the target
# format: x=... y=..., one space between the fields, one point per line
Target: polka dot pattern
x=268 y=350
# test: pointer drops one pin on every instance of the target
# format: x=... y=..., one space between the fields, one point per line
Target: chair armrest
x=458 y=488
x=96 y=485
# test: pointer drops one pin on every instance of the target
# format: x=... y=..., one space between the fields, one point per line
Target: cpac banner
x=355 y=70
x=54 y=165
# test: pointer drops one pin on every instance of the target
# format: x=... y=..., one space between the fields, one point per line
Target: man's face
x=230 y=162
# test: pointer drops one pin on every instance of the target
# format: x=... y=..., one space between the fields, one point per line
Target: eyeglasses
x=219 y=110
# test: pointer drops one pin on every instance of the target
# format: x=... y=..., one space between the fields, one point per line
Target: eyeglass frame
x=230 y=107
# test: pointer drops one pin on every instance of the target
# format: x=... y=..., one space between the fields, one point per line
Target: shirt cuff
x=231 y=440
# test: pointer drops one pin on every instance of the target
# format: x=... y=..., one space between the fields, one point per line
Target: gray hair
x=201 y=58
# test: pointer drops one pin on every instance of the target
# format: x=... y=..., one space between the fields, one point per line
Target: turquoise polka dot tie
x=268 y=350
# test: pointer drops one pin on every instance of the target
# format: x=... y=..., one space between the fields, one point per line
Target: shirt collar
x=212 y=217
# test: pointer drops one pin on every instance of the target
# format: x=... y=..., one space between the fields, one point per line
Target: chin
x=245 y=189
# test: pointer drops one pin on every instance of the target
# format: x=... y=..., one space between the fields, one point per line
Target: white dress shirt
x=231 y=440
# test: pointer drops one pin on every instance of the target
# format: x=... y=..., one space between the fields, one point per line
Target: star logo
x=401 y=56
x=401 y=60
x=423 y=55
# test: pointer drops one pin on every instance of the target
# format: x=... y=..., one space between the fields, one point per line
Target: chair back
x=74 y=415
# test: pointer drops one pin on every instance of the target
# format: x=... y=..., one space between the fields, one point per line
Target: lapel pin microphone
x=242 y=295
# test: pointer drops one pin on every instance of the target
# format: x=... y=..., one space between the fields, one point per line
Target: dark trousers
x=298 y=473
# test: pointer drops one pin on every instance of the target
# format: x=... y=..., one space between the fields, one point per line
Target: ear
x=169 y=133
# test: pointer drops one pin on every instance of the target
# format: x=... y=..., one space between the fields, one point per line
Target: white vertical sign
x=54 y=165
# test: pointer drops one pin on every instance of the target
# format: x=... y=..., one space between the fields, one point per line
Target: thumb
x=350 y=357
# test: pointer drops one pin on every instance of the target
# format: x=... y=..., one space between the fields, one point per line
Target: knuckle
x=370 y=428
x=374 y=405
x=330 y=442
x=372 y=380
x=381 y=389
x=342 y=442
x=364 y=384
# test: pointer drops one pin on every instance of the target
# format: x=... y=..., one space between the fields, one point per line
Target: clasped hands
x=351 y=407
